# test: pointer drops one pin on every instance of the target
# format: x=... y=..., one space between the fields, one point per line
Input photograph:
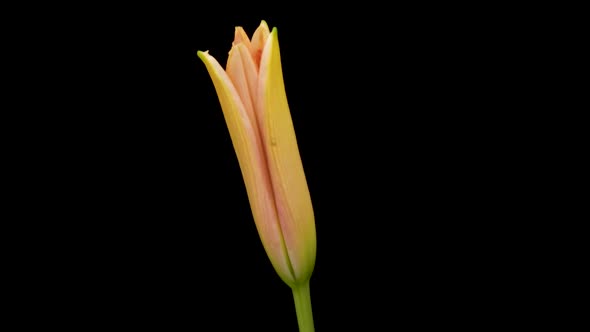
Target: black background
x=147 y=219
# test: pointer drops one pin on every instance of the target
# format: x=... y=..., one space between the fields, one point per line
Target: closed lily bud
x=254 y=104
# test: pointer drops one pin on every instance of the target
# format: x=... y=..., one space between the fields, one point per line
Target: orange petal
x=258 y=41
x=240 y=37
x=244 y=75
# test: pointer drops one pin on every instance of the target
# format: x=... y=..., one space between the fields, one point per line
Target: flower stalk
x=301 y=295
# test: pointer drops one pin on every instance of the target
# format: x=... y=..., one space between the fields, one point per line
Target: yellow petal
x=252 y=162
x=288 y=179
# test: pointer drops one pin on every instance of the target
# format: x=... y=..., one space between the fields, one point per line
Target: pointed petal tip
x=274 y=35
x=240 y=36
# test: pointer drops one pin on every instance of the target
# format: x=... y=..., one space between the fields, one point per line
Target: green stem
x=303 y=307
